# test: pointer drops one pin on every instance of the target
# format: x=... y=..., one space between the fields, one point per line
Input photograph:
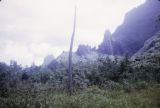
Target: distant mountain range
x=139 y=27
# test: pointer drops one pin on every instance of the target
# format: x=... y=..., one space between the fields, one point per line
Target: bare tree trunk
x=70 y=79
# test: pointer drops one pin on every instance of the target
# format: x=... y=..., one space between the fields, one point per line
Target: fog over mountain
x=122 y=72
x=140 y=24
x=33 y=29
x=48 y=59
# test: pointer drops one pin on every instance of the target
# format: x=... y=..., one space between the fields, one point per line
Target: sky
x=32 y=29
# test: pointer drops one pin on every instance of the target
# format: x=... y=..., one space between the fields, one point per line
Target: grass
x=93 y=97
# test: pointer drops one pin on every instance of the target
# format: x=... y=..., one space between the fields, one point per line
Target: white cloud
x=32 y=29
x=26 y=54
x=15 y=51
x=39 y=51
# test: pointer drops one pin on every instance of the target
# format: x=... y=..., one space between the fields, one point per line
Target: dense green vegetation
x=91 y=98
x=113 y=83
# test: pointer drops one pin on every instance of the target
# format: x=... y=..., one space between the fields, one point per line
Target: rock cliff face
x=148 y=56
x=139 y=25
x=150 y=48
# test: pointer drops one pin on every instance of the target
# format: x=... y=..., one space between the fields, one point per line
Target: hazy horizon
x=31 y=30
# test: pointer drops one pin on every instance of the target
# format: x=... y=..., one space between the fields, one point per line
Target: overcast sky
x=32 y=29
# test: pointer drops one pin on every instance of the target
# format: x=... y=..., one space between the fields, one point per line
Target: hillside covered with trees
x=106 y=82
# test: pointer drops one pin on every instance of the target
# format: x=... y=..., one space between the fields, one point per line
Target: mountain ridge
x=138 y=26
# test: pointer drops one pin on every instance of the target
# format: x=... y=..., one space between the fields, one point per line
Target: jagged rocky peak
x=48 y=59
x=107 y=35
x=84 y=50
x=106 y=45
x=139 y=25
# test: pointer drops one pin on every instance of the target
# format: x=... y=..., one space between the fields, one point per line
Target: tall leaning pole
x=70 y=78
